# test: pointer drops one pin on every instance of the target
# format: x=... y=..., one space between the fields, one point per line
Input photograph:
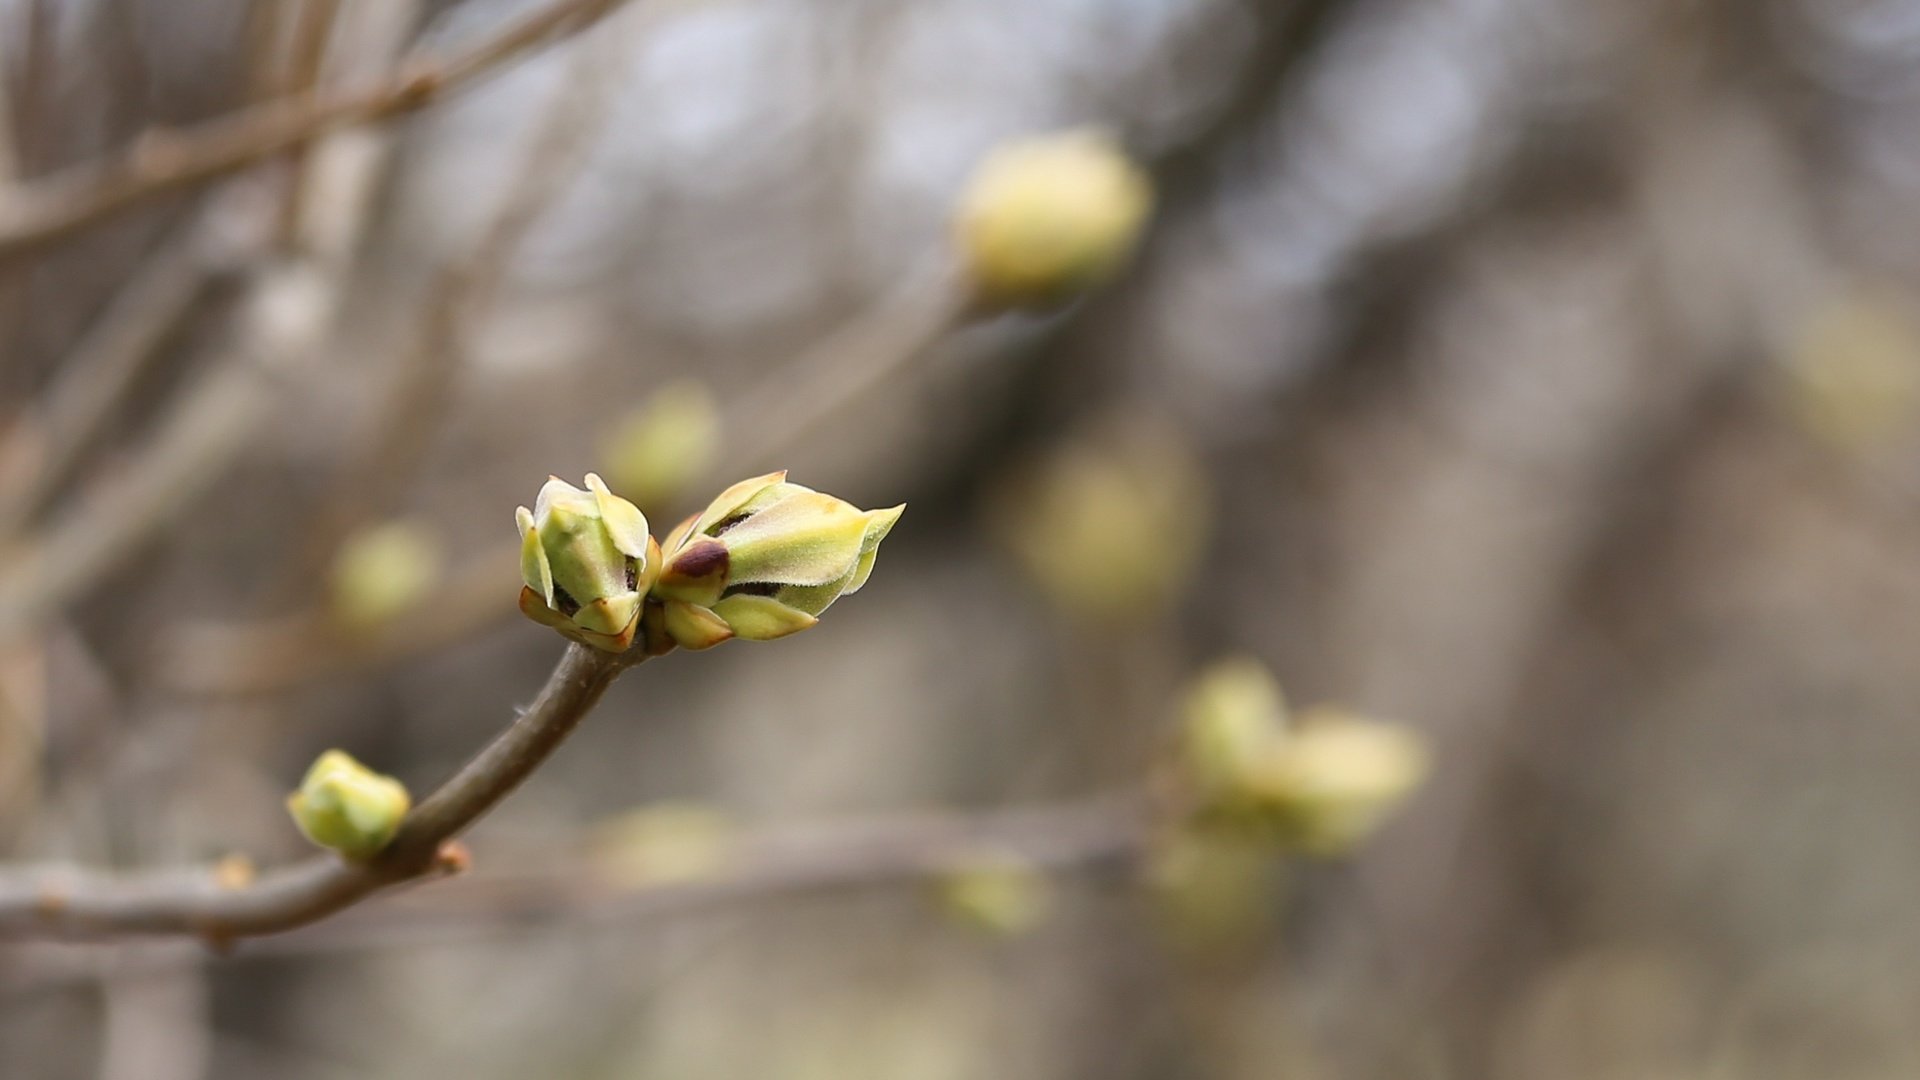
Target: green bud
x=1234 y=713
x=1319 y=783
x=1110 y=525
x=345 y=806
x=1336 y=777
x=762 y=561
x=1046 y=217
x=586 y=559
x=382 y=571
x=668 y=441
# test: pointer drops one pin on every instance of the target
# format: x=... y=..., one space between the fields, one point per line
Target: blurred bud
x=1110 y=526
x=1046 y=217
x=1853 y=377
x=1216 y=892
x=999 y=893
x=663 y=844
x=1335 y=777
x=345 y=806
x=656 y=450
x=1234 y=714
x=1321 y=782
x=763 y=561
x=382 y=571
x=585 y=557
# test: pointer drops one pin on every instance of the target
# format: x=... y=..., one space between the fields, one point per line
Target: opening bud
x=762 y=561
x=586 y=559
x=1046 y=217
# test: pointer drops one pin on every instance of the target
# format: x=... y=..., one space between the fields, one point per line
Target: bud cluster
x=762 y=561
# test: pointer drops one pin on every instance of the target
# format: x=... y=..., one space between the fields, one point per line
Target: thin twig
x=69 y=903
x=768 y=862
x=396 y=444
x=52 y=207
x=110 y=359
x=301 y=77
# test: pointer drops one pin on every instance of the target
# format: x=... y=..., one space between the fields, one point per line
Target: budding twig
x=62 y=203
x=67 y=903
x=827 y=378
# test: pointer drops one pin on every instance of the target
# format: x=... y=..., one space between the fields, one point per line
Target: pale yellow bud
x=1336 y=776
x=764 y=560
x=1853 y=376
x=654 y=452
x=1110 y=526
x=586 y=560
x=1046 y=217
x=348 y=807
x=1235 y=714
x=383 y=571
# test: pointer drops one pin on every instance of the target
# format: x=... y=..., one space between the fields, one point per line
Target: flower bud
x=585 y=557
x=763 y=561
x=668 y=441
x=382 y=571
x=1320 y=783
x=1045 y=217
x=1336 y=777
x=1110 y=525
x=345 y=806
x=1234 y=713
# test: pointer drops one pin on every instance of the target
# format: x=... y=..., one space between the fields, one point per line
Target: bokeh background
x=1541 y=374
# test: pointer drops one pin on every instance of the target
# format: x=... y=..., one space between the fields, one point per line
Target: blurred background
x=1542 y=375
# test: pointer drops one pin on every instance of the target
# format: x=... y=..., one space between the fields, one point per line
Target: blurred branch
x=51 y=207
x=770 y=861
x=72 y=903
x=764 y=863
x=395 y=446
x=109 y=361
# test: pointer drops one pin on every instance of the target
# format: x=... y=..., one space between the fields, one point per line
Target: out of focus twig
x=49 y=208
x=398 y=439
x=763 y=863
x=72 y=903
x=109 y=361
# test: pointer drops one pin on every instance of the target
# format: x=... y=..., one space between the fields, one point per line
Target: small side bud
x=586 y=561
x=762 y=561
x=1110 y=526
x=382 y=571
x=658 y=448
x=1047 y=217
x=345 y=806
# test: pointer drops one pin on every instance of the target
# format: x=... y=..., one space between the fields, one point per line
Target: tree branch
x=70 y=903
x=55 y=206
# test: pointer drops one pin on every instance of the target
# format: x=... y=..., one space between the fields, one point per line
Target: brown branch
x=763 y=863
x=394 y=448
x=60 y=204
x=68 y=903
x=110 y=359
